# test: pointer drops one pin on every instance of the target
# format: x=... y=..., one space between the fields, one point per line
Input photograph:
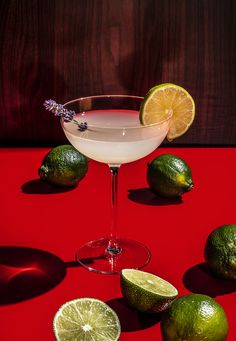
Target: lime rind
x=104 y=318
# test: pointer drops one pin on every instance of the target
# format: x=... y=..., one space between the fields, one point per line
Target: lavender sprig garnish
x=60 y=111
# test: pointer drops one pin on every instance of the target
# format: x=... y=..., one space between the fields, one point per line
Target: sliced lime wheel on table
x=86 y=319
x=146 y=292
x=163 y=99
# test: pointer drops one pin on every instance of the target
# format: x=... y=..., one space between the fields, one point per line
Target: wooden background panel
x=64 y=49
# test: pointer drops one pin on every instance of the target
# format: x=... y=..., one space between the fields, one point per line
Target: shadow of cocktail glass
x=27 y=272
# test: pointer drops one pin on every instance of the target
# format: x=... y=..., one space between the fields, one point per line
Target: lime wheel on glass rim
x=164 y=99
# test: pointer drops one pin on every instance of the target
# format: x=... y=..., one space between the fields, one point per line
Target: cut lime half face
x=163 y=99
x=146 y=292
x=86 y=319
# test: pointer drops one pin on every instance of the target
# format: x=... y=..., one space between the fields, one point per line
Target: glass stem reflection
x=113 y=247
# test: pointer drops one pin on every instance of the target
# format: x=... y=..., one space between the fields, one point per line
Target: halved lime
x=163 y=99
x=146 y=292
x=86 y=319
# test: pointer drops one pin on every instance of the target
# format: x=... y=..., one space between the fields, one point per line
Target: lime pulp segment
x=150 y=282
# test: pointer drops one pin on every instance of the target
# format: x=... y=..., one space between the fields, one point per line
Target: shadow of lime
x=199 y=279
x=131 y=319
x=38 y=186
x=145 y=196
x=27 y=272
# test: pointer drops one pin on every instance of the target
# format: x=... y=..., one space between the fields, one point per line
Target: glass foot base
x=94 y=256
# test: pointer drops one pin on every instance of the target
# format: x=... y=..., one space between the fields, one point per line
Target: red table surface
x=41 y=229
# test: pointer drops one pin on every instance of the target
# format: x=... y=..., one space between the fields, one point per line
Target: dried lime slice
x=146 y=292
x=163 y=99
x=86 y=319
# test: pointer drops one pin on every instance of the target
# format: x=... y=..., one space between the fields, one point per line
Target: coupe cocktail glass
x=114 y=136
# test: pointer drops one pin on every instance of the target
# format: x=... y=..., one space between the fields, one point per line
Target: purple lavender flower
x=82 y=126
x=60 y=111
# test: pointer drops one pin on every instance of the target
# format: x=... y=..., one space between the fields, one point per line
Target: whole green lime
x=169 y=176
x=220 y=251
x=194 y=317
x=63 y=166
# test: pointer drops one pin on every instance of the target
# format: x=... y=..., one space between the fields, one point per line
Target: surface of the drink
x=115 y=136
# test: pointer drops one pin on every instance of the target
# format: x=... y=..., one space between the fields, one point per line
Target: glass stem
x=113 y=247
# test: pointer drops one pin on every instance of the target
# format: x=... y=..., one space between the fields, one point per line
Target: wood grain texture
x=64 y=49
